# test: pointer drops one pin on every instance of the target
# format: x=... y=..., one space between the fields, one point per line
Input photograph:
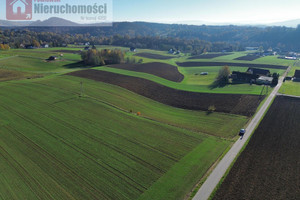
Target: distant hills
x=55 y=21
x=51 y=22
x=291 y=23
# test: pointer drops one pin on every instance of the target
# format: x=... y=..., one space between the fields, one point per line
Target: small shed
x=45 y=46
x=51 y=58
x=132 y=49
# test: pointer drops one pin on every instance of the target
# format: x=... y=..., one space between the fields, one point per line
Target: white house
x=16 y=4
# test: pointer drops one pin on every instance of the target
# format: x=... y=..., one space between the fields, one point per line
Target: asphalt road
x=216 y=175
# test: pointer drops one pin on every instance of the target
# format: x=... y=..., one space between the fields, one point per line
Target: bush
x=211 y=109
x=130 y=60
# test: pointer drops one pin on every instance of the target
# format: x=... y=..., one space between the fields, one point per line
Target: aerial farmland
x=128 y=131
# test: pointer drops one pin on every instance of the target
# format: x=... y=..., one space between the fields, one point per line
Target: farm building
x=264 y=80
x=45 y=45
x=260 y=72
x=171 y=51
x=132 y=49
x=52 y=58
x=297 y=76
x=243 y=76
x=174 y=52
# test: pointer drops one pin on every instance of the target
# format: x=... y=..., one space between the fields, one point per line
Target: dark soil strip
x=162 y=70
x=209 y=56
x=227 y=103
x=210 y=64
x=154 y=56
x=248 y=58
x=269 y=167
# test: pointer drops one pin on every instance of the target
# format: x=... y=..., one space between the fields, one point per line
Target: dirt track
x=210 y=64
x=162 y=70
x=227 y=103
x=269 y=167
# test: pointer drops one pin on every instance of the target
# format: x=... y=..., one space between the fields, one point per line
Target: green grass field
x=57 y=145
x=290 y=88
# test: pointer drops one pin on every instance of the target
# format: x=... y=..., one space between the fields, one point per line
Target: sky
x=233 y=11
x=186 y=11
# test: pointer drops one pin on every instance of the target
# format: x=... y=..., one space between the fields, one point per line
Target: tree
x=6 y=47
x=35 y=43
x=275 y=79
x=223 y=76
x=261 y=49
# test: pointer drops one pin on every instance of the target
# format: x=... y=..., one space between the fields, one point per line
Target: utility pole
x=81 y=89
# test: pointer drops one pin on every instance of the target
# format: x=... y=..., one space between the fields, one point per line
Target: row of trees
x=191 y=39
x=21 y=38
x=93 y=57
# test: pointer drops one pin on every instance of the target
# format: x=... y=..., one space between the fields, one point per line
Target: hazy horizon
x=197 y=12
x=214 y=11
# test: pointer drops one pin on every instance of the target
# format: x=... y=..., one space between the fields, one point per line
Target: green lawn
x=205 y=88
x=193 y=77
x=56 y=145
x=290 y=88
x=35 y=64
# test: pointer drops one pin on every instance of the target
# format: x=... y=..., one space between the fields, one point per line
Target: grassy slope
x=36 y=65
x=55 y=145
x=223 y=125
